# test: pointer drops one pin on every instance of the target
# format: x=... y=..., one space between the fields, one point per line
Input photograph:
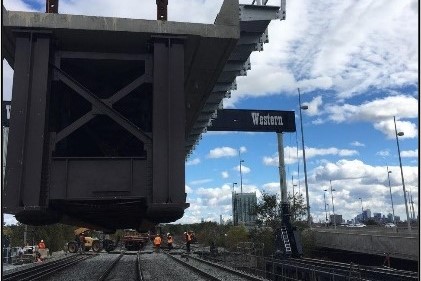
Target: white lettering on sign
x=266 y=120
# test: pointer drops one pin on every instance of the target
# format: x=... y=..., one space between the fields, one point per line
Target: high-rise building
x=336 y=219
x=377 y=217
x=243 y=205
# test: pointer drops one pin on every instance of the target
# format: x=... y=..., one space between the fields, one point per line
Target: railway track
x=213 y=271
x=41 y=271
x=120 y=265
x=315 y=269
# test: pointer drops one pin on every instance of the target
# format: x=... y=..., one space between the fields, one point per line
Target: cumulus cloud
x=290 y=154
x=193 y=162
x=353 y=179
x=244 y=169
x=380 y=112
x=313 y=106
x=18 y=5
x=314 y=51
x=410 y=153
x=223 y=152
x=357 y=143
x=225 y=174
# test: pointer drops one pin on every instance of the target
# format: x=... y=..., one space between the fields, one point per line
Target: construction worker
x=169 y=241
x=41 y=245
x=188 y=238
x=157 y=243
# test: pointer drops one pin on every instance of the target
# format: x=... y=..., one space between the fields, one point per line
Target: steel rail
x=110 y=267
x=139 y=269
x=366 y=272
x=229 y=269
x=40 y=271
x=220 y=267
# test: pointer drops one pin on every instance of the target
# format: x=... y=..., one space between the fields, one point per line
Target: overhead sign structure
x=253 y=121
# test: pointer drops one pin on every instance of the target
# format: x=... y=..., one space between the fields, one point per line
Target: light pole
x=403 y=181
x=328 y=209
x=293 y=202
x=391 y=198
x=333 y=205
x=362 y=210
x=324 y=197
x=241 y=178
x=234 y=204
x=304 y=107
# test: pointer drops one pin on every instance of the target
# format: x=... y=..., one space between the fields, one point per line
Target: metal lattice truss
x=254 y=21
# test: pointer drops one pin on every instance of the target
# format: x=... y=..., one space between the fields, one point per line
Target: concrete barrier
x=398 y=244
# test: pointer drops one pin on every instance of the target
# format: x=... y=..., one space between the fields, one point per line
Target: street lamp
x=324 y=197
x=304 y=107
x=241 y=178
x=333 y=205
x=403 y=181
x=390 y=189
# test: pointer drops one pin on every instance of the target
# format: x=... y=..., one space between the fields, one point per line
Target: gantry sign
x=253 y=121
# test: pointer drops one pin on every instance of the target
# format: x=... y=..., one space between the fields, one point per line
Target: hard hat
x=42 y=241
x=168 y=233
x=185 y=232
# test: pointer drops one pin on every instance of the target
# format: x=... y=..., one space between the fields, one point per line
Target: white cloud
x=353 y=179
x=225 y=174
x=383 y=153
x=409 y=153
x=9 y=219
x=290 y=154
x=203 y=181
x=189 y=190
x=357 y=143
x=220 y=152
x=244 y=169
x=313 y=106
x=319 y=48
x=193 y=162
x=17 y=5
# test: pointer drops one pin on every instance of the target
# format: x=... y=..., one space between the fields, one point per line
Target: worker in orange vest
x=157 y=243
x=169 y=241
x=41 y=245
x=188 y=237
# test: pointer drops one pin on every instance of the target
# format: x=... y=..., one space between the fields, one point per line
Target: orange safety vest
x=157 y=241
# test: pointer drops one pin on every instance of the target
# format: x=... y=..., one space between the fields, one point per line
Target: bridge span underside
x=105 y=110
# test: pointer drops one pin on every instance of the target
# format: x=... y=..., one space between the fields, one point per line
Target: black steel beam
x=27 y=158
x=168 y=120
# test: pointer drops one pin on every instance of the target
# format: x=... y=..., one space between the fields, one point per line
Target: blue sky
x=356 y=64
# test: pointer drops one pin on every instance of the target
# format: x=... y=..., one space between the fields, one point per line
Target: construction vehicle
x=133 y=240
x=90 y=242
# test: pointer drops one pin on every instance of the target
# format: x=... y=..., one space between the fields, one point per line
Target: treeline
x=55 y=236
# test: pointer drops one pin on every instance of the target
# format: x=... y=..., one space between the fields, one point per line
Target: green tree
x=268 y=209
x=298 y=208
x=235 y=235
